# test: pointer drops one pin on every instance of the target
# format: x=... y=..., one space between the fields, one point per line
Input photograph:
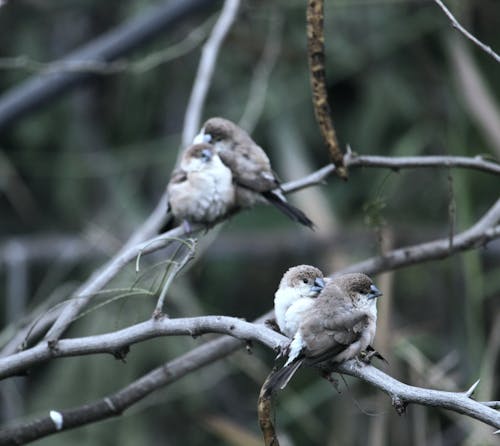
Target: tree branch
x=466 y=33
x=114 y=404
x=486 y=229
x=395 y=163
x=316 y=58
x=206 y=68
x=410 y=162
x=116 y=342
x=37 y=90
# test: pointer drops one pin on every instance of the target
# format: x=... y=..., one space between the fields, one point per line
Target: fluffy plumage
x=336 y=326
x=250 y=166
x=201 y=190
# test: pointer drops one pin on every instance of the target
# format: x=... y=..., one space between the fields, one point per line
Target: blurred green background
x=79 y=174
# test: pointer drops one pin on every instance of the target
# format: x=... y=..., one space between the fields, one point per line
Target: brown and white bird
x=337 y=325
x=298 y=288
x=201 y=190
x=250 y=166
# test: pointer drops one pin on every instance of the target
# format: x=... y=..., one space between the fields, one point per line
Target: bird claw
x=366 y=356
x=272 y=324
x=284 y=351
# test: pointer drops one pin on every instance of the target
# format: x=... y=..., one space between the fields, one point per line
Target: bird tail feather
x=289 y=210
x=280 y=378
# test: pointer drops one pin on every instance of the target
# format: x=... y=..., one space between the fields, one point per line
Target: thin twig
x=406 y=162
x=206 y=69
x=466 y=33
x=175 y=269
x=396 y=163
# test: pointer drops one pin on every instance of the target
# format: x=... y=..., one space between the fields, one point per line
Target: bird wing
x=250 y=167
x=331 y=336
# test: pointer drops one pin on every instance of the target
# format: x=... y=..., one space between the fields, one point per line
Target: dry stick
x=466 y=33
x=206 y=68
x=176 y=268
x=265 y=413
x=401 y=394
x=316 y=57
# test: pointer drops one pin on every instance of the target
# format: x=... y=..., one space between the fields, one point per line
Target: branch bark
x=466 y=33
x=316 y=58
x=401 y=394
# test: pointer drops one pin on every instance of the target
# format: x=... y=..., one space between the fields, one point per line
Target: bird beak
x=202 y=138
x=375 y=292
x=319 y=284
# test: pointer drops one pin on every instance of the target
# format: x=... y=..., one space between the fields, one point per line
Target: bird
x=201 y=190
x=298 y=288
x=250 y=166
x=339 y=324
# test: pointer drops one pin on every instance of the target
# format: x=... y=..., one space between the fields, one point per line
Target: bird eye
x=206 y=155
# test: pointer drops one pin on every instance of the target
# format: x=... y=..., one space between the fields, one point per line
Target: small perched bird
x=337 y=325
x=250 y=166
x=201 y=190
x=298 y=288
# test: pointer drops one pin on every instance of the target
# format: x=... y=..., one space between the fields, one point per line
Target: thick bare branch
x=113 y=405
x=115 y=342
x=466 y=33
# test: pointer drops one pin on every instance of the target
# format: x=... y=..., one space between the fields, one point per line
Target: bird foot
x=284 y=351
x=367 y=355
x=272 y=324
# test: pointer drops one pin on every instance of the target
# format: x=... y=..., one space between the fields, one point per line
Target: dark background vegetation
x=78 y=175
